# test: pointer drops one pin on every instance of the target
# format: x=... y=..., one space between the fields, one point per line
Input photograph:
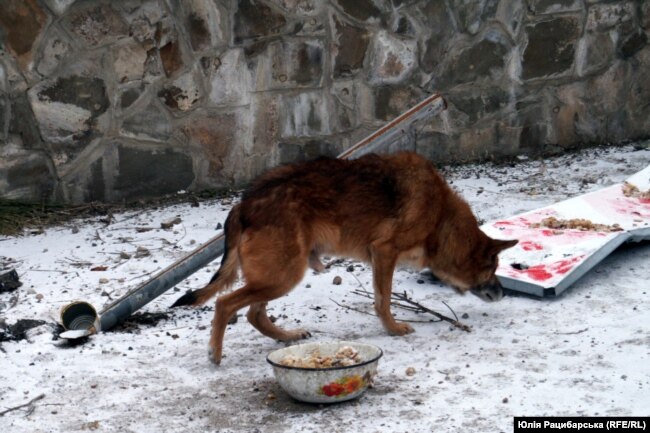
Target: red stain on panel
x=545 y=272
x=538 y=273
x=564 y=266
x=531 y=246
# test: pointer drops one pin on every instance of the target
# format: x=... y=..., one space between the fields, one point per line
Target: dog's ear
x=499 y=245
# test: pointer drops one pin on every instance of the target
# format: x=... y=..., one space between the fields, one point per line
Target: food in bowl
x=313 y=373
x=343 y=357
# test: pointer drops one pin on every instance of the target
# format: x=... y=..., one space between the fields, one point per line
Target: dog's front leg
x=383 y=266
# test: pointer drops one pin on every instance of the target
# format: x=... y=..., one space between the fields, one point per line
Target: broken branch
x=401 y=300
x=28 y=404
x=347 y=307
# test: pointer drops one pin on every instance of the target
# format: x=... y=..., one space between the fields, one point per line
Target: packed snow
x=585 y=352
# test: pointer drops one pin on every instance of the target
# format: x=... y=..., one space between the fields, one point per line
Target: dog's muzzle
x=489 y=292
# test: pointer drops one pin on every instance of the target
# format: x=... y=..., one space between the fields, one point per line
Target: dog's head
x=468 y=262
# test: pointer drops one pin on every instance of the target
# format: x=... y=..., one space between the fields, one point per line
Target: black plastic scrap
x=9 y=281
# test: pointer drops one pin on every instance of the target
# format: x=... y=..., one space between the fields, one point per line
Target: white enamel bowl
x=325 y=385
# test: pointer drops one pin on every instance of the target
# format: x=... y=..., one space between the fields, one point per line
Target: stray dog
x=383 y=210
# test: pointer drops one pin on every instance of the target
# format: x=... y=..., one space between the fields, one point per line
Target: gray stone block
x=59 y=6
x=302 y=65
x=22 y=24
x=182 y=94
x=362 y=10
x=203 y=23
x=392 y=59
x=551 y=47
x=216 y=135
x=150 y=123
x=56 y=48
x=351 y=46
x=67 y=108
x=472 y=15
x=596 y=52
x=541 y=7
x=441 y=25
x=255 y=20
x=479 y=104
x=5 y=113
x=306 y=114
x=129 y=62
x=607 y=15
x=299 y=151
x=22 y=123
x=25 y=175
x=231 y=81
x=96 y=24
x=632 y=44
x=484 y=60
x=147 y=172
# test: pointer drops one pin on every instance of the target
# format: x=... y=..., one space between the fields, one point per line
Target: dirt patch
x=138 y=320
x=9 y=281
x=17 y=216
x=18 y=331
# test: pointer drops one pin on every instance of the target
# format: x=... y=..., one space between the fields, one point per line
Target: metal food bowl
x=330 y=384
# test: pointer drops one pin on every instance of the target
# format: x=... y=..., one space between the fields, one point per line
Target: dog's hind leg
x=314 y=261
x=226 y=307
x=383 y=266
x=258 y=317
x=273 y=261
x=255 y=295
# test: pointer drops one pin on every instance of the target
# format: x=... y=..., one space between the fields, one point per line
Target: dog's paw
x=401 y=328
x=216 y=359
x=296 y=334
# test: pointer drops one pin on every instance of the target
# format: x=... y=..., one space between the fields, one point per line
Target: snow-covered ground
x=584 y=353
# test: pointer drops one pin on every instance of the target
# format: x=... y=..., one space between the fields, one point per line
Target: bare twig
x=28 y=404
x=347 y=307
x=333 y=262
x=401 y=300
x=47 y=270
x=572 y=333
x=449 y=308
x=146 y=274
x=404 y=297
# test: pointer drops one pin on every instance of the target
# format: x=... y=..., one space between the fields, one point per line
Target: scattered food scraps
x=576 y=224
x=630 y=190
x=343 y=357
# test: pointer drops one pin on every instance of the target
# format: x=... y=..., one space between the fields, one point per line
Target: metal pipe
x=80 y=318
x=397 y=127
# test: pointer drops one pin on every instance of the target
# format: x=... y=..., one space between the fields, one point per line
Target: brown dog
x=380 y=209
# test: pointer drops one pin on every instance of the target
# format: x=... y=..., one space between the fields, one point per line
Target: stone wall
x=118 y=100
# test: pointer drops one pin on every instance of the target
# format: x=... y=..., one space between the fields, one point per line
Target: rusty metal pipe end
x=79 y=319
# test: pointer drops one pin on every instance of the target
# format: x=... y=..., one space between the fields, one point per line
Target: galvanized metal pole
x=80 y=318
x=396 y=128
x=161 y=282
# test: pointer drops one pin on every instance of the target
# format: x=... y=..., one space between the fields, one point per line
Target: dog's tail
x=225 y=277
